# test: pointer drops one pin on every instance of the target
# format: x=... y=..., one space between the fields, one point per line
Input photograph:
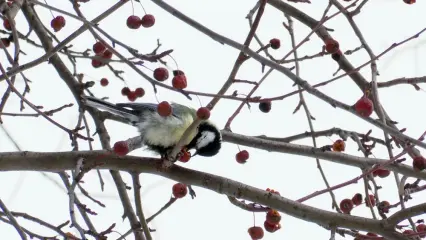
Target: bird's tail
x=110 y=107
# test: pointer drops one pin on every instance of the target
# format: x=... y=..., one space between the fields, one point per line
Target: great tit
x=161 y=134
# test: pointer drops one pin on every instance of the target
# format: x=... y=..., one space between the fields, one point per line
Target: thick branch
x=307 y=151
x=32 y=161
x=406 y=213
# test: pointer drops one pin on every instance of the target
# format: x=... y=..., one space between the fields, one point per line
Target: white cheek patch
x=206 y=138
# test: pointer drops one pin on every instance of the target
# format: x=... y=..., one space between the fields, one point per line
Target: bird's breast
x=166 y=131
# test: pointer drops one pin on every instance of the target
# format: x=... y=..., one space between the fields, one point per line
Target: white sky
x=207 y=65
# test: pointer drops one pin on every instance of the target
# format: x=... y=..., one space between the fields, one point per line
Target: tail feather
x=110 y=107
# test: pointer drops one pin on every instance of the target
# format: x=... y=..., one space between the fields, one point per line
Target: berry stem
x=263 y=48
x=254 y=219
x=87 y=75
x=199 y=100
x=49 y=9
x=156 y=98
x=147 y=68
x=142 y=7
x=177 y=66
x=133 y=7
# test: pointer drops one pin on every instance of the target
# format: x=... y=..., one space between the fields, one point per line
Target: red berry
x=125 y=91
x=372 y=200
x=104 y=82
x=384 y=206
x=364 y=106
x=271 y=227
x=272 y=191
x=275 y=192
x=421 y=228
x=121 y=148
x=242 y=156
x=164 y=109
x=133 y=22
x=98 y=48
x=275 y=43
x=256 y=232
x=140 y=92
x=346 y=205
x=273 y=217
x=339 y=145
x=107 y=54
x=5 y=41
x=203 y=113
x=148 y=20
x=179 y=82
x=409 y=232
x=161 y=74
x=96 y=63
x=6 y=25
x=357 y=199
x=185 y=156
x=410 y=1
x=331 y=45
x=57 y=23
x=132 y=96
x=419 y=163
x=381 y=173
x=265 y=106
x=179 y=190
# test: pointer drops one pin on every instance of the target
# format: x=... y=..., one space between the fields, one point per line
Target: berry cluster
x=346 y=205
x=133 y=95
x=102 y=53
x=332 y=47
x=179 y=78
x=271 y=223
x=135 y=22
x=6 y=24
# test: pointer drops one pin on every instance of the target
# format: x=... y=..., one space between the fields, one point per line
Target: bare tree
x=108 y=52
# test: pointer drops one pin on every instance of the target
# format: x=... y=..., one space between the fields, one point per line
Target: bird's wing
x=143 y=107
x=180 y=110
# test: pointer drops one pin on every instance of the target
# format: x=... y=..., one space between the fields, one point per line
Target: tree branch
x=32 y=161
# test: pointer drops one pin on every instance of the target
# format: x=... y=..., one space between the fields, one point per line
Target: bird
x=161 y=134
